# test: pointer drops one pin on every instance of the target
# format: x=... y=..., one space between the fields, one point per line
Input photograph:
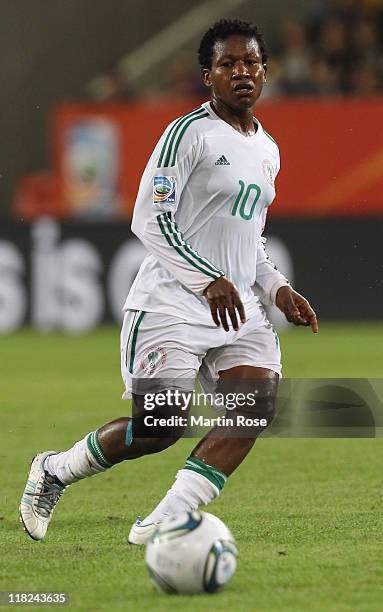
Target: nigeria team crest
x=268 y=171
x=153 y=360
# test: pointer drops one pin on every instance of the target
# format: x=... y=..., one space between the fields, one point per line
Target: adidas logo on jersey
x=222 y=161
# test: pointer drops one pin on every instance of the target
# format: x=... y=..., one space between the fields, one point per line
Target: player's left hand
x=296 y=308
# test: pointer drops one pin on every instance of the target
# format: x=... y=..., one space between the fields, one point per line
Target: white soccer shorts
x=159 y=346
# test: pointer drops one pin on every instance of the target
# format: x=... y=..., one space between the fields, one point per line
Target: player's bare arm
x=296 y=308
x=223 y=299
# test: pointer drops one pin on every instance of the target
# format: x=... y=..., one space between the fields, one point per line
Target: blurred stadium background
x=89 y=86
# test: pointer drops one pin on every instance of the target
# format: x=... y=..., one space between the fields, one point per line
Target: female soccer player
x=195 y=308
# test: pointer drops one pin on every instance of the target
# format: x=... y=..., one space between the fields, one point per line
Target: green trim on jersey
x=134 y=341
x=215 y=476
x=182 y=246
x=269 y=136
x=175 y=231
x=192 y=113
x=164 y=160
x=182 y=134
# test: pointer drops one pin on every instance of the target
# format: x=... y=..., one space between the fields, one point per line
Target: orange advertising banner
x=331 y=154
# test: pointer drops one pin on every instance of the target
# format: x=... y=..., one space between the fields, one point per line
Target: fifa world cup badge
x=164 y=190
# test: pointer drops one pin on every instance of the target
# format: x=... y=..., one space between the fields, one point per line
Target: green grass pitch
x=306 y=513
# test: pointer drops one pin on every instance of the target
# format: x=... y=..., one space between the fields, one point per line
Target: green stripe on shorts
x=134 y=341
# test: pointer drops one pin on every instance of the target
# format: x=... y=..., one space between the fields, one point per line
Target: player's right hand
x=224 y=300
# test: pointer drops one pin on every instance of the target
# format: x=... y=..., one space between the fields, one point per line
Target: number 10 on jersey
x=241 y=205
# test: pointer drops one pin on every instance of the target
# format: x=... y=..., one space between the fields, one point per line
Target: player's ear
x=264 y=73
x=206 y=77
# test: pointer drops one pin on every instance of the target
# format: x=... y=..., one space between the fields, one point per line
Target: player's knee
x=252 y=401
x=253 y=419
x=267 y=410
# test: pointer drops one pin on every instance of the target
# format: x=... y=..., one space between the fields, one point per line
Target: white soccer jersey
x=200 y=212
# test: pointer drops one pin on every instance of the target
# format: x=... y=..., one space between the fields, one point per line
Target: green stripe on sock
x=215 y=476
x=201 y=464
x=94 y=447
x=180 y=251
x=173 y=131
x=102 y=458
x=101 y=454
x=134 y=340
x=93 y=450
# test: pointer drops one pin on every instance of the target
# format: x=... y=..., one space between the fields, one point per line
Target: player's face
x=237 y=74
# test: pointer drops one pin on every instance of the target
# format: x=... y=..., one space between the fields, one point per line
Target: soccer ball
x=191 y=552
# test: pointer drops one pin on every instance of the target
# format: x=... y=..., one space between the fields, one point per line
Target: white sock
x=189 y=491
x=84 y=459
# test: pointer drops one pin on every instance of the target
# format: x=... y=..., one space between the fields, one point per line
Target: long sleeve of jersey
x=268 y=277
x=154 y=220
